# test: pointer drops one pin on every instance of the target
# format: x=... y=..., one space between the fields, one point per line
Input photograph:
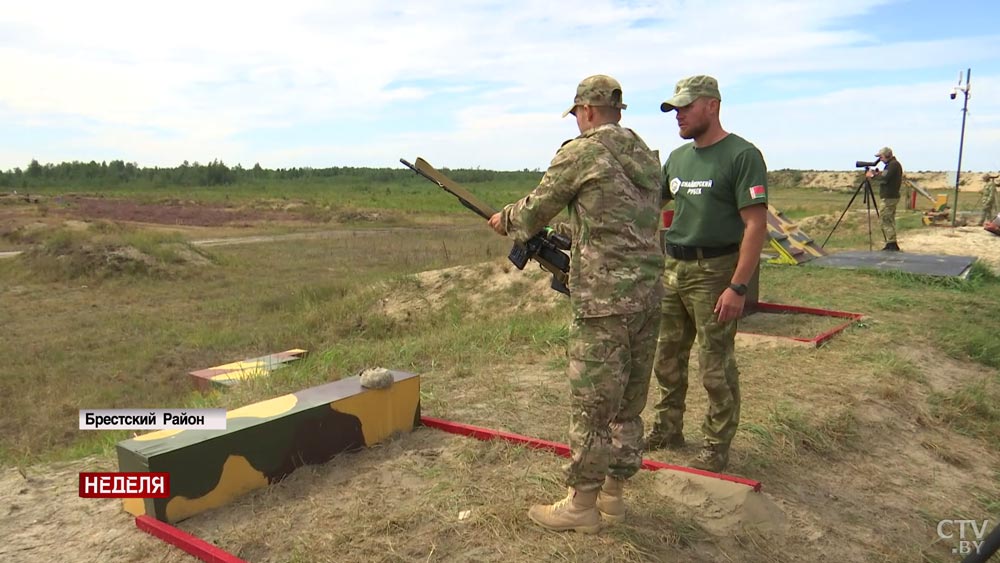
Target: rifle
x=547 y=247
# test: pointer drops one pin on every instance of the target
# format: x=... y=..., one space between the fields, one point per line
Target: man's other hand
x=729 y=306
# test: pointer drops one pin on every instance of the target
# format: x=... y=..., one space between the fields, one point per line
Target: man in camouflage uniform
x=988 y=202
x=719 y=186
x=607 y=180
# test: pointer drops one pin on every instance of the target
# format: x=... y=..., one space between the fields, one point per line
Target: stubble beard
x=692 y=131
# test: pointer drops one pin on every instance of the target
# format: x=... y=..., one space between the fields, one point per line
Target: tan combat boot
x=713 y=457
x=610 y=502
x=578 y=512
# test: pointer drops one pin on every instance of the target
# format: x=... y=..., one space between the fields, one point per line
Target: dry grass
x=129 y=340
x=430 y=496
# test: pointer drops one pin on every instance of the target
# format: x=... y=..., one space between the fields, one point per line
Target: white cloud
x=918 y=120
x=160 y=83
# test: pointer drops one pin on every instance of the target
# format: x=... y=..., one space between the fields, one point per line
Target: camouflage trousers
x=687 y=315
x=887 y=215
x=610 y=363
x=988 y=203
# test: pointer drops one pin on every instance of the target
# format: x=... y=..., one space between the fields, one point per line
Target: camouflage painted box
x=266 y=441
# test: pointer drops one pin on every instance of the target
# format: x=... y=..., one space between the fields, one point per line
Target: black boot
x=891 y=246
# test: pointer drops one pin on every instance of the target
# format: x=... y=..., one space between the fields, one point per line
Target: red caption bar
x=124 y=485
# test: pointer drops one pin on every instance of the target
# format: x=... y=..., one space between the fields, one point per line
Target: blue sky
x=815 y=84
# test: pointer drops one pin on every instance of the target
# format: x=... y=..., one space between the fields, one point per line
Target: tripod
x=870 y=202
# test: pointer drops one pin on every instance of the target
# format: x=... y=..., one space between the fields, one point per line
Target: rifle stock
x=546 y=247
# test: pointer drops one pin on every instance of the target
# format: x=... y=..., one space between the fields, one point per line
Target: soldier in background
x=608 y=180
x=988 y=202
x=890 y=179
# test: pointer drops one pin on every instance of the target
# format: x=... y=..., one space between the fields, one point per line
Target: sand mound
x=722 y=508
x=849 y=179
x=105 y=261
x=830 y=180
x=480 y=286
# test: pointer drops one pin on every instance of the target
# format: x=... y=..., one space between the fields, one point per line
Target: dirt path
x=314 y=235
x=311 y=235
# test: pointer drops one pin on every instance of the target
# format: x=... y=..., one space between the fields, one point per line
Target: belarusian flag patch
x=757 y=191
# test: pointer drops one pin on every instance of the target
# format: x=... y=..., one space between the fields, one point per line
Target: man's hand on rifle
x=497 y=223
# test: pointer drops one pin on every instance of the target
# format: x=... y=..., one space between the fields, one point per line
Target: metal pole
x=961 y=142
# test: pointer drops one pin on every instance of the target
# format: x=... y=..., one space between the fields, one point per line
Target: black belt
x=698 y=252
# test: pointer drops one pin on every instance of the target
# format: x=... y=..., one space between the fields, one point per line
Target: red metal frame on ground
x=190 y=544
x=563 y=450
x=762 y=307
x=211 y=554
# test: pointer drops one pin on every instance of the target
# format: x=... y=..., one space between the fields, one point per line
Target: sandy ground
x=42 y=519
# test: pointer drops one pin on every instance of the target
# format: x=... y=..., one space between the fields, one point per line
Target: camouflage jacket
x=609 y=181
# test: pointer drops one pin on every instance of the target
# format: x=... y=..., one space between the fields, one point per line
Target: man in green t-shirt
x=719 y=186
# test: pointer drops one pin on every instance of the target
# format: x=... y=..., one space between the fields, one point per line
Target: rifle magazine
x=519 y=256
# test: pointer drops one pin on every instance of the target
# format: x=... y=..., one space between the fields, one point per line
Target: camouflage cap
x=884 y=151
x=690 y=89
x=597 y=90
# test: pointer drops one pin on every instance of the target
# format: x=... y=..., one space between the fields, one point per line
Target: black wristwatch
x=739 y=288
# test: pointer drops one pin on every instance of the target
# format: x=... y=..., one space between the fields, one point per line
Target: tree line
x=116 y=173
x=216 y=173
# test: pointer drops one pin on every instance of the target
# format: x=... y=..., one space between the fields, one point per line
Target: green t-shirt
x=709 y=186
